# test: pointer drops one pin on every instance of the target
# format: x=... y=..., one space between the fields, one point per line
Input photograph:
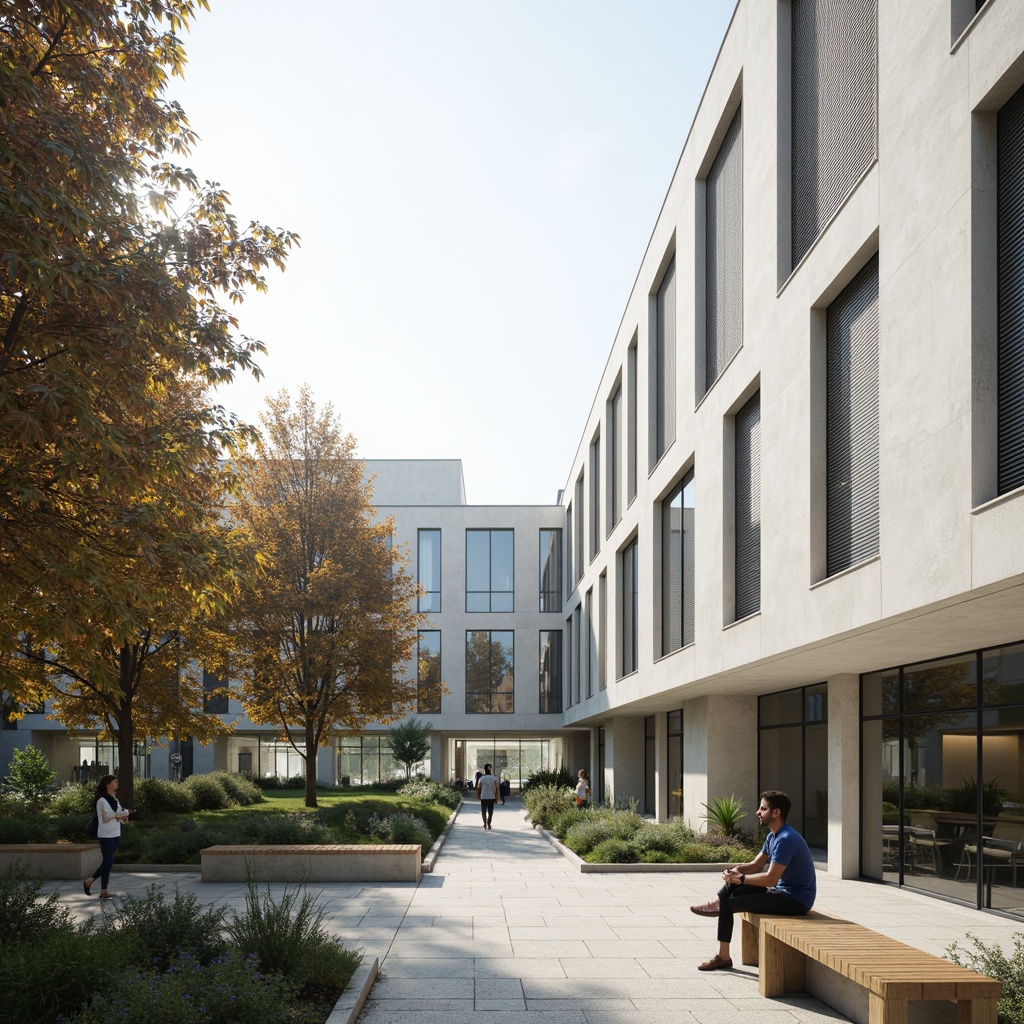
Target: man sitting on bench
x=787 y=887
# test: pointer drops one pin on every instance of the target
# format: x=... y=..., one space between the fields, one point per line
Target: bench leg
x=976 y=1011
x=748 y=942
x=782 y=968
x=886 y=1011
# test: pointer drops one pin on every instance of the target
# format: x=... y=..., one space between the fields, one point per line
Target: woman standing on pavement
x=583 y=791
x=110 y=814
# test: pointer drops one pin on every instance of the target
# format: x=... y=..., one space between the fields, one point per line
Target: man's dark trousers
x=751 y=899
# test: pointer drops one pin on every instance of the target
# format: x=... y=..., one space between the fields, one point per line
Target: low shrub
x=701 y=853
x=52 y=975
x=25 y=912
x=400 y=828
x=176 y=845
x=544 y=802
x=240 y=788
x=73 y=798
x=656 y=839
x=656 y=857
x=156 y=929
x=283 y=829
x=208 y=791
x=230 y=990
x=28 y=827
x=288 y=937
x=991 y=960
x=560 y=778
x=613 y=851
x=157 y=796
x=431 y=793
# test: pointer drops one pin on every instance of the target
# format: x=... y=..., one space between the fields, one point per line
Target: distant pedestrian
x=505 y=789
x=583 y=790
x=487 y=790
x=110 y=815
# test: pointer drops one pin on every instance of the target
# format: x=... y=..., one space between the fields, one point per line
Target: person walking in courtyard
x=110 y=814
x=583 y=791
x=487 y=790
x=779 y=880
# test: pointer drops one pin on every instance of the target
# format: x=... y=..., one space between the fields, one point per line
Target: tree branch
x=53 y=45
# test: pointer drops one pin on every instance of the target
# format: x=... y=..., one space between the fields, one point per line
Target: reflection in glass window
x=550 y=671
x=550 y=570
x=950 y=683
x=490 y=679
x=675 y=764
x=677 y=579
x=429 y=568
x=489 y=570
x=428 y=659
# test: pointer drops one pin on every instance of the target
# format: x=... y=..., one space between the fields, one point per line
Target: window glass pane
x=501 y=602
x=550 y=570
x=478 y=560
x=879 y=693
x=672 y=572
x=1003 y=794
x=429 y=569
x=550 y=671
x=1003 y=675
x=816 y=786
x=950 y=683
x=429 y=672
x=781 y=767
x=489 y=671
x=816 y=703
x=478 y=602
x=501 y=560
x=780 y=709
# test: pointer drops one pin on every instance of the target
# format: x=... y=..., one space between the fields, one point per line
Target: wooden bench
x=892 y=972
x=750 y=932
x=391 y=862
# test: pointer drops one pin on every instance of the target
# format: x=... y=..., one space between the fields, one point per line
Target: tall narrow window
x=550 y=570
x=851 y=423
x=631 y=423
x=630 y=607
x=677 y=569
x=591 y=641
x=595 y=496
x=835 y=45
x=1010 y=201
x=663 y=365
x=490 y=671
x=428 y=672
x=578 y=531
x=723 y=255
x=570 y=578
x=550 y=671
x=569 y=649
x=602 y=634
x=748 y=508
x=613 y=454
x=428 y=543
x=490 y=576
x=577 y=653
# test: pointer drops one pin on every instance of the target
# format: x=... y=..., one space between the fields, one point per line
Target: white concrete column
x=844 y=776
x=731 y=731
x=439 y=770
x=624 y=752
x=327 y=765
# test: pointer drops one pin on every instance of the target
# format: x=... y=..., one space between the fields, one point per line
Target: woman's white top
x=582 y=789
x=109 y=826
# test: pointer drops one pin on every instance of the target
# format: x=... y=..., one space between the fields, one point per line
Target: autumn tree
x=321 y=638
x=139 y=677
x=117 y=267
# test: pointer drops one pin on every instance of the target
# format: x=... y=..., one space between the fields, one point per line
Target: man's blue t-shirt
x=798 y=881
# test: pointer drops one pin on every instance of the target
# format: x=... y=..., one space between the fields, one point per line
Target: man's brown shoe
x=716 y=963
x=707 y=909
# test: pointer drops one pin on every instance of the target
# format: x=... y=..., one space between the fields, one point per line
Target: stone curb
x=431 y=857
x=347 y=1008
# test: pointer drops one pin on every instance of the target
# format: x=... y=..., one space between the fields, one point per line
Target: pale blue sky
x=475 y=183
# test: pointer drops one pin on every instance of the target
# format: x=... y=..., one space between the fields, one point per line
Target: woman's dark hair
x=101 y=786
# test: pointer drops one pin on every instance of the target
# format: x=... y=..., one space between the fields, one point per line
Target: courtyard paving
x=507 y=930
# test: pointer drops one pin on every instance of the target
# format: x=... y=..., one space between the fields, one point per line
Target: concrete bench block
x=308 y=863
x=50 y=860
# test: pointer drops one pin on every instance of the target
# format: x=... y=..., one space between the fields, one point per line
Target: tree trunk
x=311 y=749
x=126 y=757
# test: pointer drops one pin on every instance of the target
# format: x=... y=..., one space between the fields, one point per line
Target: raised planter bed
x=50 y=860
x=312 y=863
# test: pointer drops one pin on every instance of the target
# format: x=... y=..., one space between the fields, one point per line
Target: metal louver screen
x=665 y=369
x=851 y=445
x=748 y=508
x=724 y=254
x=1010 y=192
x=834 y=108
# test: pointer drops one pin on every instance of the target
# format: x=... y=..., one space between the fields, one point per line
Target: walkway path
x=507 y=931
